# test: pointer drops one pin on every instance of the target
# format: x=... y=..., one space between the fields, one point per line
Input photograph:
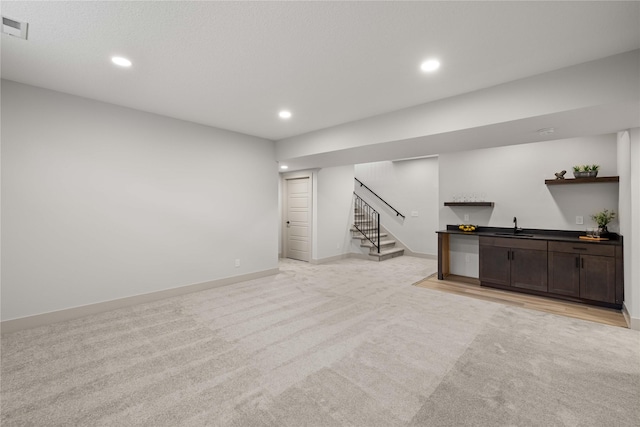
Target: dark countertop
x=533 y=234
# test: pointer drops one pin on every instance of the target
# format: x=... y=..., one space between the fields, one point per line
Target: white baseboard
x=329 y=259
x=28 y=322
x=632 y=322
x=420 y=255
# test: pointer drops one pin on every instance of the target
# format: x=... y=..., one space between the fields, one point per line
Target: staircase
x=367 y=229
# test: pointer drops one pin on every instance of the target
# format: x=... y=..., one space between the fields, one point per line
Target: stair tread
x=362 y=237
x=368 y=244
x=381 y=233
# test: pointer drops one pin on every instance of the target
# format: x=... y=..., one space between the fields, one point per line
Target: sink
x=514 y=234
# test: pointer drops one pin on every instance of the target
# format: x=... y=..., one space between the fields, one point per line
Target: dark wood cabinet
x=529 y=269
x=495 y=264
x=583 y=270
x=598 y=278
x=551 y=263
x=518 y=263
x=564 y=274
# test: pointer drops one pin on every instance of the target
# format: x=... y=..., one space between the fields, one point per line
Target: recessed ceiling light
x=284 y=114
x=284 y=167
x=430 y=65
x=119 y=60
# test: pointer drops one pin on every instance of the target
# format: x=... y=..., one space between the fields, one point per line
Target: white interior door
x=297 y=221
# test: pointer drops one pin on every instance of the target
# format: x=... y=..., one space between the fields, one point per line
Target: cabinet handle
x=580 y=249
x=509 y=255
x=577 y=262
x=582 y=262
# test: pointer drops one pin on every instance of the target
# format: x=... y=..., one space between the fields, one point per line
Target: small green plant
x=586 y=168
x=603 y=218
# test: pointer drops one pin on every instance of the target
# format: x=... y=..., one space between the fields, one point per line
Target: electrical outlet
x=467 y=258
x=237 y=262
x=579 y=220
x=466 y=217
x=414 y=213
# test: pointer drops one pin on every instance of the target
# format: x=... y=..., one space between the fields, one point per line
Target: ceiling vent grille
x=14 y=28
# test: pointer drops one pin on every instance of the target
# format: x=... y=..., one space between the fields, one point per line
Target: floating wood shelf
x=468 y=204
x=581 y=180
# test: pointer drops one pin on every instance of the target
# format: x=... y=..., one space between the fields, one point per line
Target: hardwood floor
x=471 y=288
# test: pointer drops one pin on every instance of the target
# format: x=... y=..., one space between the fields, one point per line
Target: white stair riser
x=373 y=249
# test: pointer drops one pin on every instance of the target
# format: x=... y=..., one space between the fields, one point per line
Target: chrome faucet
x=515 y=227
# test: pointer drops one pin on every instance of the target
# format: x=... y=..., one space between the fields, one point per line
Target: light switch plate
x=579 y=220
x=466 y=217
x=414 y=213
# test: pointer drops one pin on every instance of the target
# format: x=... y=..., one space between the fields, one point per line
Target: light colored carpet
x=350 y=343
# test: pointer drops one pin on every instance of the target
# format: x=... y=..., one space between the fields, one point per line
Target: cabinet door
x=598 y=278
x=529 y=269
x=564 y=273
x=494 y=265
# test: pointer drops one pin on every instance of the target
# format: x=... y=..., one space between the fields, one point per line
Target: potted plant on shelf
x=585 y=171
x=603 y=219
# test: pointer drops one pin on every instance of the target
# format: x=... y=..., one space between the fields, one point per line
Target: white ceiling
x=234 y=65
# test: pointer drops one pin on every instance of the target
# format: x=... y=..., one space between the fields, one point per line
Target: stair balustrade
x=369 y=222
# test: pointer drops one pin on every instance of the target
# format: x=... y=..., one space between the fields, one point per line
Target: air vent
x=546 y=131
x=14 y=28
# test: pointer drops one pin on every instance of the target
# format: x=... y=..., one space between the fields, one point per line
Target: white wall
x=633 y=240
x=101 y=202
x=410 y=186
x=625 y=217
x=629 y=170
x=513 y=178
x=333 y=212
